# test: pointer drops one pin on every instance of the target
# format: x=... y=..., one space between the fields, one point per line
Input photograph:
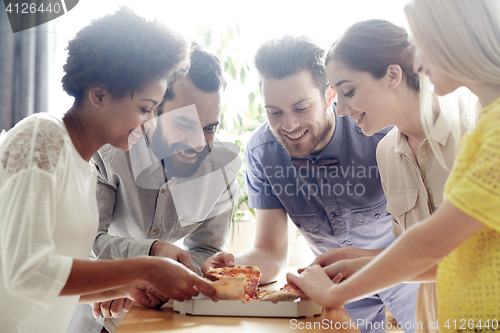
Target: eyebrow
x=341 y=82
x=294 y=104
x=150 y=100
x=213 y=124
x=186 y=119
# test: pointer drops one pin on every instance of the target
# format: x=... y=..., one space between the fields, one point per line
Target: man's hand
x=112 y=308
x=162 y=249
x=334 y=255
x=346 y=267
x=218 y=260
x=140 y=292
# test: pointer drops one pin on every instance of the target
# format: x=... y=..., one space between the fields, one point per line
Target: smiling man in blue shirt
x=321 y=171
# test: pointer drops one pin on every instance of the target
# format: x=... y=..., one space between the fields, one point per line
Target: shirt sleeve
x=106 y=246
x=212 y=235
x=260 y=192
x=475 y=189
x=31 y=268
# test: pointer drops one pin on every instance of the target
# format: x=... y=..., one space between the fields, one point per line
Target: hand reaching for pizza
x=140 y=292
x=316 y=285
x=346 y=267
x=218 y=260
x=162 y=249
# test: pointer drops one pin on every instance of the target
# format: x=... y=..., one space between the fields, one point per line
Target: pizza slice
x=250 y=273
x=230 y=288
x=280 y=296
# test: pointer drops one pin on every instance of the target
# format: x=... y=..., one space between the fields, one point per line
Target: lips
x=295 y=136
x=187 y=156
x=358 y=119
x=134 y=136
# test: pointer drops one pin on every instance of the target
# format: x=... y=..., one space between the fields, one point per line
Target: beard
x=316 y=136
x=169 y=153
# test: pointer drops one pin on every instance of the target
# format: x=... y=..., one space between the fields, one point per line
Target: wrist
x=152 y=249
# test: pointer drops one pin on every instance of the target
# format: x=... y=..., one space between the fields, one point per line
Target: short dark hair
x=121 y=53
x=289 y=55
x=205 y=71
x=372 y=46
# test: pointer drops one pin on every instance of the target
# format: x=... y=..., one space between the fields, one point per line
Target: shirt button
x=333 y=215
x=155 y=231
x=346 y=242
x=424 y=153
x=377 y=216
x=389 y=299
x=162 y=190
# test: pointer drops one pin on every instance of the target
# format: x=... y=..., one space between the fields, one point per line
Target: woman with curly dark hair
x=117 y=70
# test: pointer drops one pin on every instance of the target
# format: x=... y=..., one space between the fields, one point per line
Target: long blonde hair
x=462 y=39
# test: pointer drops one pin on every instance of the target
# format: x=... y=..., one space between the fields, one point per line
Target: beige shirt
x=414 y=188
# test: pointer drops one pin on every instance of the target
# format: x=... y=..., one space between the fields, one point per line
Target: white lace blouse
x=48 y=215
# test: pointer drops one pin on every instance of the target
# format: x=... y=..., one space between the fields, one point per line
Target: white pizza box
x=205 y=306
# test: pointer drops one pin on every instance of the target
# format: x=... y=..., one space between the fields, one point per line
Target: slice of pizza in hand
x=229 y=289
x=250 y=273
x=280 y=296
x=285 y=294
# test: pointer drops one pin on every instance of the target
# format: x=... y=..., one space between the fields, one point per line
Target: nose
x=197 y=140
x=150 y=125
x=290 y=122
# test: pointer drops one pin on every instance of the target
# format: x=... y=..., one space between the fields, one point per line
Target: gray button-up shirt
x=137 y=207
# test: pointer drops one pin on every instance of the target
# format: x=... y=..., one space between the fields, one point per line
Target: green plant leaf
x=243 y=76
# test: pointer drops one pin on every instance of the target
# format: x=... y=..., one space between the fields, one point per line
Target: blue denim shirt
x=332 y=207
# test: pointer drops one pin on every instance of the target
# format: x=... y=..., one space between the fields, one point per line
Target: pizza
x=241 y=283
x=250 y=273
x=230 y=288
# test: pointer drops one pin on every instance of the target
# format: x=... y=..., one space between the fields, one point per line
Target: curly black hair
x=121 y=53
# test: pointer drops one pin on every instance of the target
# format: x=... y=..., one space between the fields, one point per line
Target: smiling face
x=186 y=129
x=443 y=84
x=124 y=116
x=365 y=99
x=300 y=117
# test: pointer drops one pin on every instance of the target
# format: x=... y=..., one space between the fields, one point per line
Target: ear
x=97 y=96
x=331 y=95
x=394 y=76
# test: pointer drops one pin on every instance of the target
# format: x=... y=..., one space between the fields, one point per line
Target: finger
x=96 y=310
x=205 y=288
x=151 y=291
x=185 y=259
x=319 y=260
x=337 y=278
x=154 y=301
x=294 y=286
x=127 y=304
x=105 y=309
x=229 y=259
x=116 y=307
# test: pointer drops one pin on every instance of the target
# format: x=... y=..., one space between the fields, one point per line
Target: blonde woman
x=459 y=45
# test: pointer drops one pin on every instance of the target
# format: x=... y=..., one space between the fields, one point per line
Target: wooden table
x=145 y=320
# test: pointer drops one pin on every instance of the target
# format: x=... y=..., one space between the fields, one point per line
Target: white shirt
x=48 y=216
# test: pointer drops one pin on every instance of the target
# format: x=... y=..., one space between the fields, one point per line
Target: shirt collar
x=440 y=133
